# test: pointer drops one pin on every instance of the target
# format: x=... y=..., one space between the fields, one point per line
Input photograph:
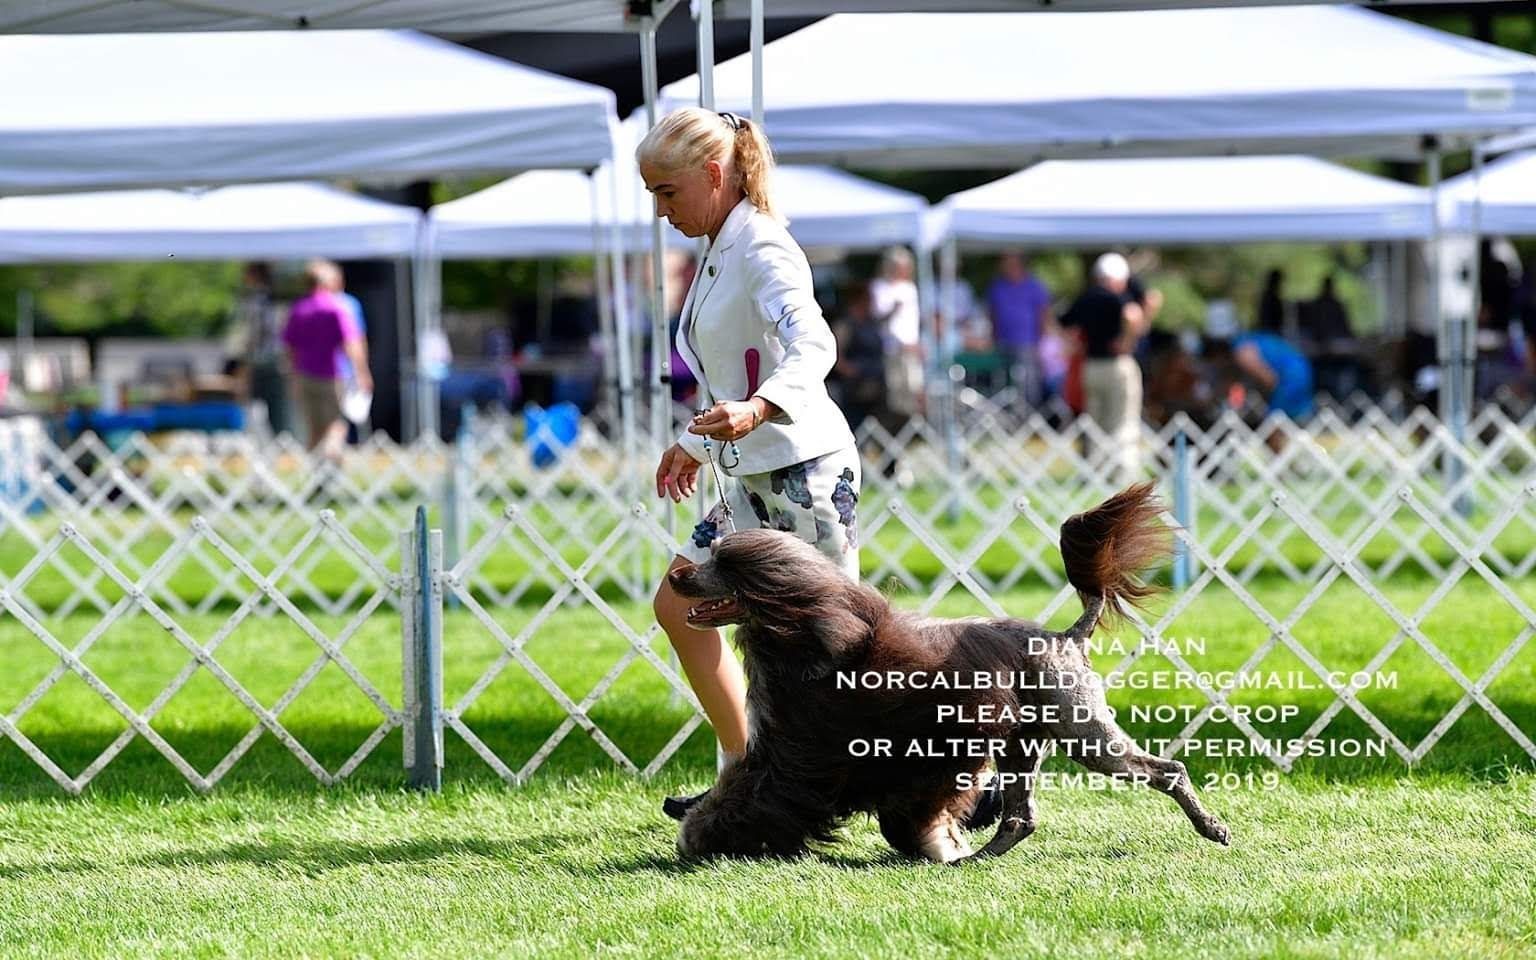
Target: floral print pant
x=814 y=500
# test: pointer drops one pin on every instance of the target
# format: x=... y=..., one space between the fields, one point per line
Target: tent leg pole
x=756 y=43
x=705 y=20
x=660 y=379
x=602 y=282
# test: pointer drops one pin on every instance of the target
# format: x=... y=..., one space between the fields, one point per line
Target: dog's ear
x=845 y=626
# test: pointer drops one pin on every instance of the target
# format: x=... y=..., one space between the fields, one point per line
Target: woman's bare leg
x=712 y=670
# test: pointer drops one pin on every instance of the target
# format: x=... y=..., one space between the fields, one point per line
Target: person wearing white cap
x=1110 y=324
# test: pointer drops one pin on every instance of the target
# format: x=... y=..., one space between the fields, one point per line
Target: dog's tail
x=1106 y=549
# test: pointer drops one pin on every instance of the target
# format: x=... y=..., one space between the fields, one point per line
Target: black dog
x=832 y=669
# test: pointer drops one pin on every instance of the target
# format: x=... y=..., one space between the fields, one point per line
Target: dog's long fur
x=802 y=623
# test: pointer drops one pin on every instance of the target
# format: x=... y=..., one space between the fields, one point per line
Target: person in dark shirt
x=1150 y=300
x=1329 y=319
x=1496 y=290
x=1333 y=348
x=1271 y=306
x=858 y=376
x=1109 y=324
x=1525 y=308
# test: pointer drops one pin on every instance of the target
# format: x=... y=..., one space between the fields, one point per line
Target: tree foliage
x=169 y=299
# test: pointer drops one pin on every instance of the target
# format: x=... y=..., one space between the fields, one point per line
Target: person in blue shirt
x=1281 y=371
x=354 y=307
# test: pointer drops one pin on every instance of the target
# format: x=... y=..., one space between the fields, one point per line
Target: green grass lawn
x=1344 y=858
x=1424 y=867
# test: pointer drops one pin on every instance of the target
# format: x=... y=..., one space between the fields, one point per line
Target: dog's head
x=785 y=591
x=749 y=576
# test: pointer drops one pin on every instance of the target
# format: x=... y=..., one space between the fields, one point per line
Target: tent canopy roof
x=740 y=9
x=1185 y=200
x=470 y=16
x=930 y=89
x=1505 y=194
x=258 y=221
x=147 y=110
x=827 y=207
x=547 y=212
x=535 y=214
x=439 y=16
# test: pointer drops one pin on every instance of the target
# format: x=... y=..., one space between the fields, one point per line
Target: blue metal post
x=457 y=488
x=426 y=758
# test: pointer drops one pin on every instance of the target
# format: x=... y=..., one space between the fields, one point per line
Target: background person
x=893 y=300
x=1271 y=312
x=1110 y=324
x=754 y=337
x=319 y=325
x=858 y=377
x=1020 y=308
x=344 y=370
x=1282 y=373
x=258 y=346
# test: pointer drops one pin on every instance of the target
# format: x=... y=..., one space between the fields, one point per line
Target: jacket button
x=711 y=269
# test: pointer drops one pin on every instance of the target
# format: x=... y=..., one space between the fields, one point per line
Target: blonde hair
x=692 y=136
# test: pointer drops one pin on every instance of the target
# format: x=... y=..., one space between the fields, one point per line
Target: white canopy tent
x=955 y=89
x=258 y=221
x=1187 y=200
x=551 y=213
x=1192 y=200
x=827 y=207
x=438 y=16
x=740 y=9
x=106 y=111
x=1501 y=199
x=467 y=16
x=541 y=213
x=974 y=90
x=152 y=110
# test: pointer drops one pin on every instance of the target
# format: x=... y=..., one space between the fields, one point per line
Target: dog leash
x=709 y=454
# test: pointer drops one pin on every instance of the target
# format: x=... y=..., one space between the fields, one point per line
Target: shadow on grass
x=317 y=858
x=1475 y=747
x=269 y=767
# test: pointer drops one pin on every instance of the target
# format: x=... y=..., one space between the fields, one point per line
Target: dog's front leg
x=739 y=818
x=932 y=835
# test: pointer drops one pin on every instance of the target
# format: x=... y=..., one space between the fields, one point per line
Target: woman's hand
x=732 y=419
x=677 y=474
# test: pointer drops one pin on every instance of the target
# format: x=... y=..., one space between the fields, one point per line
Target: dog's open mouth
x=712 y=613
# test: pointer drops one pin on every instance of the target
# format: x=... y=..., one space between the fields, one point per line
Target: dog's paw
x=944 y=843
x=683 y=849
x=1218 y=833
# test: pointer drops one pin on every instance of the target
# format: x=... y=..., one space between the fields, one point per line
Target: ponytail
x=754 y=165
x=689 y=136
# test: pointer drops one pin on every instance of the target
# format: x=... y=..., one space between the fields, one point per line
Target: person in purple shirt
x=319 y=326
x=1020 y=307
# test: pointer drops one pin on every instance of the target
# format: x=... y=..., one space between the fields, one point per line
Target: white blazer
x=750 y=326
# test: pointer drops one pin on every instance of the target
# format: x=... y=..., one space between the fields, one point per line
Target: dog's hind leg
x=1103 y=747
x=1018 y=768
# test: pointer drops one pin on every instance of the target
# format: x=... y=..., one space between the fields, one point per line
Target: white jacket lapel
x=716 y=258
